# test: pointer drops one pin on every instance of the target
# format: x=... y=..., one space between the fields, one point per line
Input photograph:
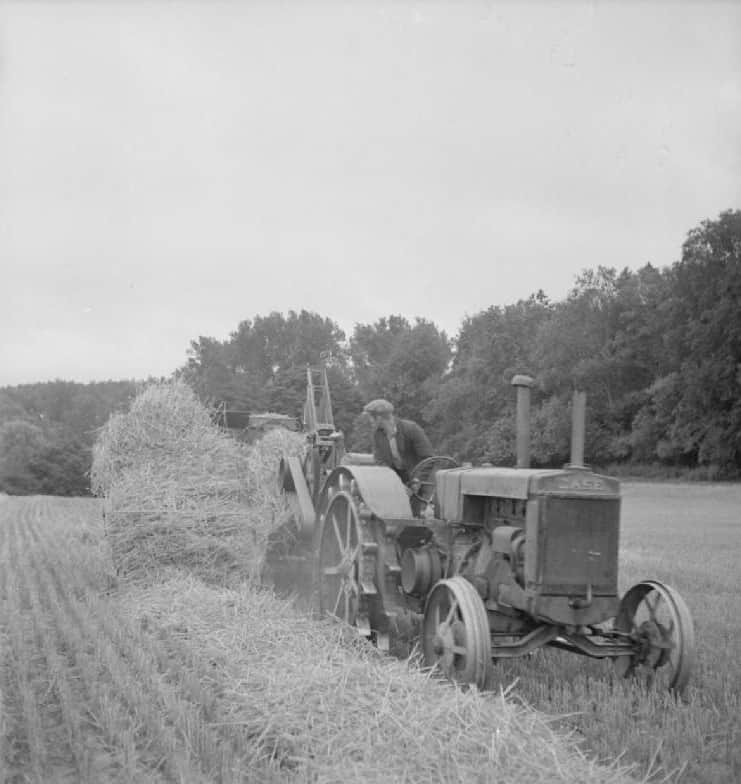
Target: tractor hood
x=518 y=484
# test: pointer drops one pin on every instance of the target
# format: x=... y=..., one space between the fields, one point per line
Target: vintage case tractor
x=498 y=562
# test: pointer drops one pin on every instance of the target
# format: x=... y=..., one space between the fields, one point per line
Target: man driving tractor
x=397 y=443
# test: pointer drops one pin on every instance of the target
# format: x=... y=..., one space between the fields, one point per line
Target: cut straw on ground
x=313 y=702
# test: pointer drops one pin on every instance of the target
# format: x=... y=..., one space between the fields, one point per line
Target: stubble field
x=169 y=683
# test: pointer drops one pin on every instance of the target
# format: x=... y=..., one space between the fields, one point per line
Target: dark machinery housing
x=499 y=562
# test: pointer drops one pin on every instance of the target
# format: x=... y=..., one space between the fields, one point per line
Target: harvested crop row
x=137 y=706
x=109 y=751
x=131 y=679
x=29 y=742
x=70 y=680
x=15 y=747
x=185 y=688
x=156 y=685
x=62 y=678
x=318 y=704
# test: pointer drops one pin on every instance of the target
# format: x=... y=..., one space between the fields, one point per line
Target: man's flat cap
x=379 y=406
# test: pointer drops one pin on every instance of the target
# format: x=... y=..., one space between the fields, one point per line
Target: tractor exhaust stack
x=578 y=417
x=523 y=384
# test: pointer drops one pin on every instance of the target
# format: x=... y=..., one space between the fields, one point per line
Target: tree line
x=658 y=351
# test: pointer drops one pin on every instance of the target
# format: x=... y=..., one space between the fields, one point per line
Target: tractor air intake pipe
x=523 y=384
x=578 y=408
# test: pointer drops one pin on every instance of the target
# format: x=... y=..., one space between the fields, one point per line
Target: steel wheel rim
x=339 y=558
x=659 y=620
x=455 y=633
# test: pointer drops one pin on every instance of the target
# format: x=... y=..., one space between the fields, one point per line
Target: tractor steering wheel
x=422 y=477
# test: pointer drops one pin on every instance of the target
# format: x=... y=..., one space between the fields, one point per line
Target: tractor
x=496 y=562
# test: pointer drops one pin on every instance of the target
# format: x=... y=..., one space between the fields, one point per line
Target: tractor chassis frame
x=557 y=637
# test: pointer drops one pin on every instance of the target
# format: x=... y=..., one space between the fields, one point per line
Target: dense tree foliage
x=262 y=364
x=402 y=362
x=658 y=351
x=47 y=431
x=474 y=401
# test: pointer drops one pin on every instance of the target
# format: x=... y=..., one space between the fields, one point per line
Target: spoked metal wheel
x=422 y=477
x=340 y=552
x=455 y=632
x=661 y=628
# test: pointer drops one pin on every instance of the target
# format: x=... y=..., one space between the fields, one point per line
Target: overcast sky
x=168 y=169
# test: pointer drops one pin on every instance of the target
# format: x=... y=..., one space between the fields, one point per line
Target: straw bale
x=310 y=701
x=180 y=492
x=163 y=418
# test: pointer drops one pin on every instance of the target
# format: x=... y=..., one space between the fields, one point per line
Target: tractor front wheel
x=455 y=632
x=661 y=628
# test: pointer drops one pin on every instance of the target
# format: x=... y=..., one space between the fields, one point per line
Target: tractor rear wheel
x=661 y=627
x=347 y=570
x=455 y=632
x=339 y=560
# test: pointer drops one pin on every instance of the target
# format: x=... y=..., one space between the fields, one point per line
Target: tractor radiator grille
x=577 y=545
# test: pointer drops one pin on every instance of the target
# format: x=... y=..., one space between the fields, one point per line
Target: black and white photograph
x=370 y=392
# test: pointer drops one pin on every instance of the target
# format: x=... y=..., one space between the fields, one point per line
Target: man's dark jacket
x=412 y=443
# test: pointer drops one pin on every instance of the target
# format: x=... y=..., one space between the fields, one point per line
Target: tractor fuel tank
x=457 y=489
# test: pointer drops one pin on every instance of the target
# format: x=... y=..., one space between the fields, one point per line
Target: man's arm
x=420 y=442
x=379 y=453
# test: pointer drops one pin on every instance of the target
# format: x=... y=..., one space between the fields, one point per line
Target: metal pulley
x=420 y=570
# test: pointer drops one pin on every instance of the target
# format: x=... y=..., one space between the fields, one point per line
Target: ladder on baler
x=327 y=443
x=318 y=407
